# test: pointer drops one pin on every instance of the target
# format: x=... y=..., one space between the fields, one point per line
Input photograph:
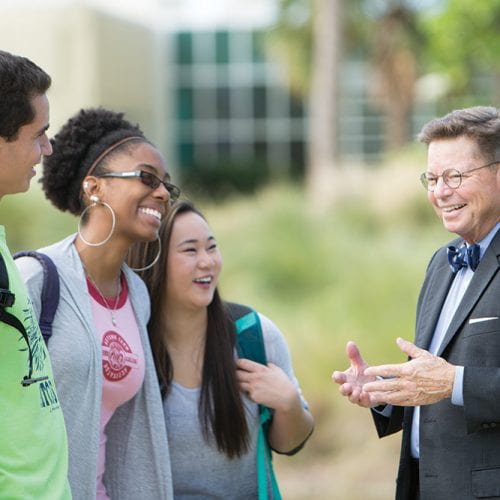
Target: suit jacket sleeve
x=388 y=425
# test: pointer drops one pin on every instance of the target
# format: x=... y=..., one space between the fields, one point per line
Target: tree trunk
x=395 y=73
x=323 y=143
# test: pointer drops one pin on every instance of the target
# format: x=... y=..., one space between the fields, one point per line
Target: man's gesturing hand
x=423 y=380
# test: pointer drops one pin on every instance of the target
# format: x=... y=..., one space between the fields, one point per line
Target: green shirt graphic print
x=33 y=443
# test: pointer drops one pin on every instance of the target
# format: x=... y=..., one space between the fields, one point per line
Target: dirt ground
x=343 y=460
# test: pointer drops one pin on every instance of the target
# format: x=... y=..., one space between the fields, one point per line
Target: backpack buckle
x=7 y=298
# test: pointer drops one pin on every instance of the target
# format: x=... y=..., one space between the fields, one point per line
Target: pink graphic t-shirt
x=122 y=361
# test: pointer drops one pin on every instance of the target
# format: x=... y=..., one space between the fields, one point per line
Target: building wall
x=94 y=59
x=61 y=41
x=231 y=103
x=132 y=66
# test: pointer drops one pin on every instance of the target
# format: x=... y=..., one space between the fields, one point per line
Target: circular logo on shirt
x=117 y=357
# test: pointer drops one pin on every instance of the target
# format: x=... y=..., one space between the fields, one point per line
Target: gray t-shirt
x=199 y=470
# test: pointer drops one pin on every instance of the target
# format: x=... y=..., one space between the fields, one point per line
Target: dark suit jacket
x=459 y=446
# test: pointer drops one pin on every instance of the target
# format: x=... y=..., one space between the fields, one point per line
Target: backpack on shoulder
x=250 y=345
x=50 y=290
x=7 y=299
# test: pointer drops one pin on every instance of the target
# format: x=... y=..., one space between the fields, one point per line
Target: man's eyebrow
x=43 y=130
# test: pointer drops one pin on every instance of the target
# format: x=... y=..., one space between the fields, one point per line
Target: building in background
x=193 y=73
x=232 y=104
x=95 y=57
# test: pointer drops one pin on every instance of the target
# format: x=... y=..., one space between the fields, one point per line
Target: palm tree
x=395 y=70
x=307 y=40
x=312 y=46
x=323 y=154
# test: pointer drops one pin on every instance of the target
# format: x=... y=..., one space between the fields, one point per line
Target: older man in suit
x=446 y=398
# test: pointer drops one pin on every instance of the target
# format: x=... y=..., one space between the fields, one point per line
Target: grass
x=349 y=272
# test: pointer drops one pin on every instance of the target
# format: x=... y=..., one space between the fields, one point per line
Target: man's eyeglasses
x=451 y=177
x=148 y=179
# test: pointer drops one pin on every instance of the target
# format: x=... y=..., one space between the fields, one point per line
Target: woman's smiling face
x=194 y=262
x=138 y=207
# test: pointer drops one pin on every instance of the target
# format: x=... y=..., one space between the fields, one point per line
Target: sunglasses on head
x=148 y=179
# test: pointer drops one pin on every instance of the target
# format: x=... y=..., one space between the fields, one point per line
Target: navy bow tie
x=463 y=257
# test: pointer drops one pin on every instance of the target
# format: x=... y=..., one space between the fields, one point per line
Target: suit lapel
x=437 y=290
x=487 y=269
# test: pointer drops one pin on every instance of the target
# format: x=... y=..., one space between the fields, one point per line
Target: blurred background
x=292 y=124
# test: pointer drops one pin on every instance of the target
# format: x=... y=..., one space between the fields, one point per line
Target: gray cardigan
x=137 y=456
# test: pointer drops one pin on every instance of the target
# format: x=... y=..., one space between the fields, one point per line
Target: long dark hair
x=221 y=410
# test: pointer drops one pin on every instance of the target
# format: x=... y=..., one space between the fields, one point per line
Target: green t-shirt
x=33 y=443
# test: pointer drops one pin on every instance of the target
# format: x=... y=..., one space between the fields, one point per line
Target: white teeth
x=208 y=279
x=151 y=211
x=450 y=209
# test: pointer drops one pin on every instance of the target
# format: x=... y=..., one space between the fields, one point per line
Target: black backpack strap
x=7 y=299
x=50 y=290
x=237 y=311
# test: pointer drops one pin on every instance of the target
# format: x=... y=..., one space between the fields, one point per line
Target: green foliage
x=290 y=42
x=219 y=181
x=457 y=38
x=31 y=221
x=463 y=40
x=290 y=39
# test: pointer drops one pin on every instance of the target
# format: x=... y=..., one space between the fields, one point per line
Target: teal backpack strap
x=250 y=345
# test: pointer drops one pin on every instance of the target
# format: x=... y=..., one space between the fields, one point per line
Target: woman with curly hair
x=212 y=398
x=105 y=171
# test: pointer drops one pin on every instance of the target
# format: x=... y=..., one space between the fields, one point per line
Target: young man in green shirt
x=33 y=444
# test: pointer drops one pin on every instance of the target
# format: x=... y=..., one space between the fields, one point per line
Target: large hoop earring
x=155 y=260
x=95 y=201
